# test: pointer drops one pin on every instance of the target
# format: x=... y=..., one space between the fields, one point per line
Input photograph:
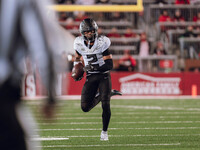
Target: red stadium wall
x=163 y=84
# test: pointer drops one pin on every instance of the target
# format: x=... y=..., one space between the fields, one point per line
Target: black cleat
x=115 y=92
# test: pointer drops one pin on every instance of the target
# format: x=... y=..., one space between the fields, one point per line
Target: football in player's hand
x=77 y=72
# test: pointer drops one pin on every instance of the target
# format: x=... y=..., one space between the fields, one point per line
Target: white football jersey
x=93 y=55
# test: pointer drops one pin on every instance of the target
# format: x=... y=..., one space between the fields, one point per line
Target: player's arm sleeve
x=78 y=54
x=77 y=58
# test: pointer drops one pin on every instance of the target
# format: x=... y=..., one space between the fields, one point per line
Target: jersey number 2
x=94 y=59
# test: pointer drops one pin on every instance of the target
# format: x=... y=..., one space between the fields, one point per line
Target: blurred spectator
x=164 y=16
x=160 y=2
x=190 y=47
x=127 y=62
x=117 y=16
x=186 y=11
x=182 y=2
x=80 y=16
x=114 y=33
x=160 y=50
x=100 y=16
x=144 y=50
x=62 y=17
x=178 y=16
x=70 y=24
x=129 y=33
x=142 y=20
x=144 y=45
x=189 y=32
x=197 y=17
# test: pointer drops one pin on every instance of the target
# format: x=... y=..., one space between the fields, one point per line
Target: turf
x=135 y=124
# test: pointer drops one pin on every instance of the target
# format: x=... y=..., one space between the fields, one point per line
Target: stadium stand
x=139 y=23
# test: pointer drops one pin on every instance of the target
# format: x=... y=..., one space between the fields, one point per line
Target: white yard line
x=50 y=138
x=119 y=113
x=113 y=117
x=136 y=122
x=160 y=117
x=154 y=108
x=61 y=138
x=94 y=129
x=138 y=135
x=115 y=145
x=72 y=118
x=157 y=122
x=70 y=123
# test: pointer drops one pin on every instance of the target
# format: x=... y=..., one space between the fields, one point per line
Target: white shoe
x=104 y=136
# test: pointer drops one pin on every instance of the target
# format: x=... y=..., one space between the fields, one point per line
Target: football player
x=98 y=62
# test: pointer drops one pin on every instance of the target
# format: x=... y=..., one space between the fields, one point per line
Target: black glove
x=88 y=68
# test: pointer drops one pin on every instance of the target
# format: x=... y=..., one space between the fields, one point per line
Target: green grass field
x=135 y=124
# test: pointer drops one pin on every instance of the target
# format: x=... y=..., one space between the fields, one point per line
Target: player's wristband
x=107 y=66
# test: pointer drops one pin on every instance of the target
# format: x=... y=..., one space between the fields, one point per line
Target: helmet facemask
x=88 y=29
x=89 y=35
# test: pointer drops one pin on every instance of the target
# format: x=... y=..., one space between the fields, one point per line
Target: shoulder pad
x=105 y=41
x=78 y=42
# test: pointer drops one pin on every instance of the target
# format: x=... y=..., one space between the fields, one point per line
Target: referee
x=25 y=31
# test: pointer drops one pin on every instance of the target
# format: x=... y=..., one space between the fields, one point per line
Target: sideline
x=127 y=97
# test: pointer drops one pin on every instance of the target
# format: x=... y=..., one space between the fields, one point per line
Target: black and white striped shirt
x=26 y=30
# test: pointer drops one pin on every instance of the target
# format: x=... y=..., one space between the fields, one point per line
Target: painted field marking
x=114 y=145
x=157 y=122
x=92 y=136
x=139 y=122
x=154 y=108
x=71 y=118
x=49 y=138
x=113 y=117
x=122 y=113
x=94 y=129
